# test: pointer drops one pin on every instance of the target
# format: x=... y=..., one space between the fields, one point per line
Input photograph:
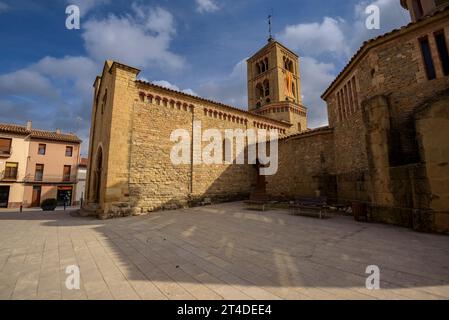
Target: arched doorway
x=97 y=175
x=259 y=192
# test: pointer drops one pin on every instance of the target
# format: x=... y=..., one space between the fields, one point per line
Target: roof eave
x=368 y=45
x=219 y=104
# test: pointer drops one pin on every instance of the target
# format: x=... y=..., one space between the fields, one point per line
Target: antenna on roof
x=270 y=35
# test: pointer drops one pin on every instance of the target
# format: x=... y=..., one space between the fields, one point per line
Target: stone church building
x=387 y=142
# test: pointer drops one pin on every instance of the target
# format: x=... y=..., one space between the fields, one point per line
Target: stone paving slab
x=216 y=252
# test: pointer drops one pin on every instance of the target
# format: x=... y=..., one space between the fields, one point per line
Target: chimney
x=58 y=131
x=29 y=125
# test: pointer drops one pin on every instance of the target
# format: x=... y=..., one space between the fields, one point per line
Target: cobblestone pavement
x=217 y=252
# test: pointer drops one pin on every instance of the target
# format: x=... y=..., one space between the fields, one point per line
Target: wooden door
x=36 y=199
x=4 y=196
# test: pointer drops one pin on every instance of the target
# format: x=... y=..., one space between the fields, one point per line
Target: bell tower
x=274 y=85
x=420 y=8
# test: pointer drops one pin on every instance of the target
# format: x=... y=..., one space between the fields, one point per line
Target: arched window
x=259 y=92
x=266 y=64
x=258 y=68
x=266 y=86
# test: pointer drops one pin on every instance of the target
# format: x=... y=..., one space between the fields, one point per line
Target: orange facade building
x=45 y=162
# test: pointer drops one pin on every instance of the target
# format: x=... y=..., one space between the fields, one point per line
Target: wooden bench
x=306 y=205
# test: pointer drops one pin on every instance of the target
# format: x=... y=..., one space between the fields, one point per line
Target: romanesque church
x=386 y=144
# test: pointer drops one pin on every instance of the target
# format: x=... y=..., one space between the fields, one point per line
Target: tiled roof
x=325 y=129
x=372 y=42
x=83 y=162
x=247 y=113
x=38 y=134
x=271 y=43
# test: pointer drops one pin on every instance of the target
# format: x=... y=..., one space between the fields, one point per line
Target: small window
x=105 y=100
x=427 y=57
x=66 y=174
x=39 y=174
x=442 y=51
x=68 y=151
x=42 y=149
x=5 y=146
x=11 y=170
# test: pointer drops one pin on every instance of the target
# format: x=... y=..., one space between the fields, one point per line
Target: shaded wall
x=306 y=165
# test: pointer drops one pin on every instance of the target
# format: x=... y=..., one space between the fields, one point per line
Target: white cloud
x=392 y=16
x=340 y=37
x=3 y=7
x=57 y=92
x=54 y=93
x=140 y=40
x=230 y=89
x=26 y=81
x=168 y=85
x=316 y=38
x=203 y=6
x=87 y=5
x=315 y=78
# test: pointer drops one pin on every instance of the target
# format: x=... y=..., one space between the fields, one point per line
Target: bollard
x=21 y=208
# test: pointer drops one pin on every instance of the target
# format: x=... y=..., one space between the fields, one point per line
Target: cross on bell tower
x=270 y=35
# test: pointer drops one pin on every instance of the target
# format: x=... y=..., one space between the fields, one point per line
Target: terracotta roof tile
x=38 y=134
x=247 y=113
x=83 y=162
x=325 y=129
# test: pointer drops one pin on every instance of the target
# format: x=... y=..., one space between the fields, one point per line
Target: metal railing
x=46 y=178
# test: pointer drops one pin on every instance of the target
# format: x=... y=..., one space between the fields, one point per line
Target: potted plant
x=49 y=204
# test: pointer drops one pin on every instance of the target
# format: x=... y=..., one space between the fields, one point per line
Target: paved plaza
x=217 y=252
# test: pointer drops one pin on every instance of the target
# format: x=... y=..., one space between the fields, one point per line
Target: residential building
x=81 y=181
x=14 y=148
x=37 y=165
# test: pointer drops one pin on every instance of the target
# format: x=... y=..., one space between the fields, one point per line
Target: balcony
x=50 y=179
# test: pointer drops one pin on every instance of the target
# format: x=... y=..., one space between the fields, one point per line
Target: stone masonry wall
x=392 y=68
x=433 y=132
x=154 y=182
x=306 y=165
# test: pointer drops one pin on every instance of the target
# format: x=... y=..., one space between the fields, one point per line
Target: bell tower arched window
x=258 y=69
x=259 y=92
x=266 y=87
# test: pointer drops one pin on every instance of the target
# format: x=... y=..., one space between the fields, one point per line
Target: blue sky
x=198 y=46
